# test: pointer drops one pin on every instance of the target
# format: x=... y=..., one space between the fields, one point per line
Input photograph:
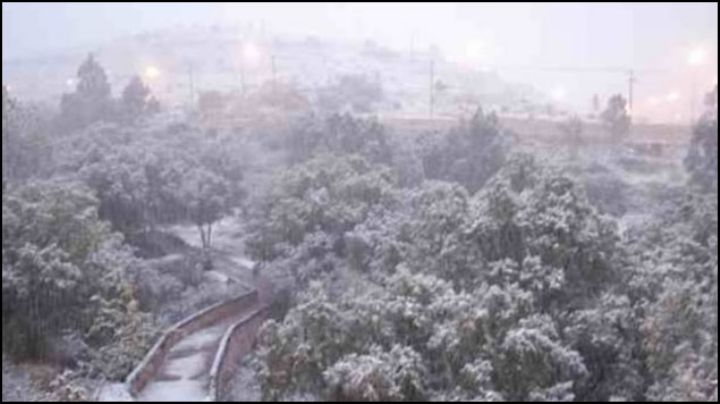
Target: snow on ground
x=180 y=390
x=114 y=392
x=244 y=385
x=229 y=261
x=17 y=384
x=184 y=376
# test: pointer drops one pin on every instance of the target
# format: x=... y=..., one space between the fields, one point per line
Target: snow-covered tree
x=616 y=118
x=468 y=154
x=57 y=257
x=92 y=99
x=702 y=157
x=136 y=101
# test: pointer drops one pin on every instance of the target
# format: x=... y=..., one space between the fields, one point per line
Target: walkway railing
x=237 y=342
x=154 y=359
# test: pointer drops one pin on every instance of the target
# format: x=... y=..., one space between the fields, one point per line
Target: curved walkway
x=193 y=358
x=185 y=372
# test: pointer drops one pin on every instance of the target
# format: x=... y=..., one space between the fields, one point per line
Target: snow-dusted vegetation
x=487 y=246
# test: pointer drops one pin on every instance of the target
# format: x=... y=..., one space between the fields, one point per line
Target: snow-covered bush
x=702 y=157
x=311 y=209
x=377 y=376
x=339 y=134
x=63 y=269
x=672 y=284
x=468 y=154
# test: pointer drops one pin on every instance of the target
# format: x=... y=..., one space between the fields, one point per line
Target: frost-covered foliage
x=313 y=206
x=378 y=376
x=339 y=134
x=92 y=101
x=150 y=176
x=674 y=283
x=702 y=158
x=522 y=292
x=354 y=92
x=136 y=101
x=25 y=139
x=445 y=268
x=424 y=232
x=605 y=189
x=469 y=154
x=615 y=117
x=417 y=339
x=65 y=271
x=550 y=219
x=518 y=293
x=572 y=129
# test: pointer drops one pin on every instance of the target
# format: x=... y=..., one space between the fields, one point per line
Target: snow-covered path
x=227 y=248
x=185 y=372
x=184 y=375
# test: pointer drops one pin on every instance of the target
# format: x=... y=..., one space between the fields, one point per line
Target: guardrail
x=237 y=341
x=147 y=368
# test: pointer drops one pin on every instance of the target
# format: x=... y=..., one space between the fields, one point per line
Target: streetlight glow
x=151 y=72
x=251 y=54
x=475 y=50
x=697 y=56
x=559 y=93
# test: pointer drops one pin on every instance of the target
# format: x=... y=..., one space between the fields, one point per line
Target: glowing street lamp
x=672 y=96
x=251 y=54
x=697 y=56
x=475 y=52
x=151 y=72
x=559 y=93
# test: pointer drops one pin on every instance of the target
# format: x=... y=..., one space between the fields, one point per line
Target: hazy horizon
x=517 y=40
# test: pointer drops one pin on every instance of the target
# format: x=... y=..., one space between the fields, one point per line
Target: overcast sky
x=641 y=35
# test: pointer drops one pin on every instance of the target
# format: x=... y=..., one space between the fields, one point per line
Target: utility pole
x=631 y=82
x=595 y=103
x=693 y=96
x=412 y=46
x=272 y=61
x=242 y=75
x=191 y=83
x=432 y=80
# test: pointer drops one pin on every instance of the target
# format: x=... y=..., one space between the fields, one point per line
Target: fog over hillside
x=595 y=43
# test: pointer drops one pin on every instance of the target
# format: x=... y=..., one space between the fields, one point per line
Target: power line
x=630 y=72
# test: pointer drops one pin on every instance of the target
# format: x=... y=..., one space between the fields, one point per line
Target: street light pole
x=693 y=96
x=432 y=79
x=272 y=59
x=695 y=58
x=631 y=82
x=242 y=76
x=412 y=46
x=192 y=84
